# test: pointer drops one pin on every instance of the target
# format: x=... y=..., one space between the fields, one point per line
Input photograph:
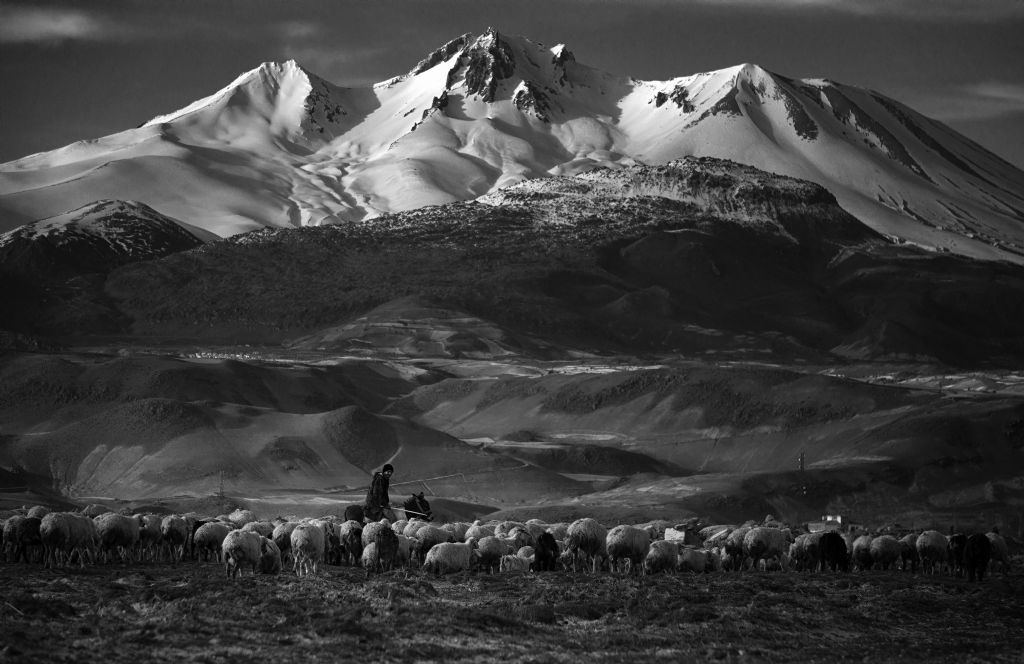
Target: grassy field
x=191 y=613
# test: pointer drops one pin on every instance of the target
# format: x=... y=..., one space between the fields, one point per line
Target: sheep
x=589 y=538
x=307 y=546
x=526 y=552
x=908 y=552
x=282 y=537
x=478 y=531
x=490 y=550
x=399 y=526
x=520 y=536
x=37 y=512
x=932 y=551
x=693 y=560
x=209 y=540
x=885 y=551
x=174 y=532
x=117 y=532
x=261 y=528
x=450 y=557
x=955 y=550
x=270 y=556
x=241 y=517
x=711 y=532
x=413 y=527
x=662 y=556
x=535 y=527
x=405 y=546
x=627 y=545
x=382 y=552
x=861 y=552
x=1000 y=552
x=350 y=535
x=241 y=548
x=370 y=531
x=977 y=552
x=559 y=530
x=504 y=528
x=510 y=563
x=766 y=543
x=63 y=534
x=428 y=537
x=20 y=533
x=834 y=554
x=734 y=547
x=457 y=530
x=545 y=553
x=149 y=535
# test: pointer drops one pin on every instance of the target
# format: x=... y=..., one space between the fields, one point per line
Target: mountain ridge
x=280 y=146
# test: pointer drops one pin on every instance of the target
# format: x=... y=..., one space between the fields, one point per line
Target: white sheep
x=282 y=537
x=307 y=545
x=694 y=560
x=662 y=556
x=861 y=552
x=766 y=543
x=241 y=517
x=478 y=531
x=627 y=545
x=1000 y=552
x=514 y=563
x=261 y=528
x=588 y=538
x=504 y=528
x=174 y=535
x=64 y=534
x=490 y=550
x=117 y=533
x=350 y=537
x=149 y=535
x=457 y=530
x=885 y=551
x=413 y=526
x=932 y=547
x=209 y=540
x=734 y=547
x=430 y=536
x=449 y=557
x=241 y=548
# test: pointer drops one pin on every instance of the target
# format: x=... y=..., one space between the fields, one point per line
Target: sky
x=78 y=70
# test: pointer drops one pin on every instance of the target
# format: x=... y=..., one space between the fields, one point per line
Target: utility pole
x=803 y=480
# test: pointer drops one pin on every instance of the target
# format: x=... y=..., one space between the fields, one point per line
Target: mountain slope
x=95 y=238
x=281 y=147
x=700 y=257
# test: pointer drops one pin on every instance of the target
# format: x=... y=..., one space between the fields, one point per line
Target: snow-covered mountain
x=95 y=238
x=280 y=146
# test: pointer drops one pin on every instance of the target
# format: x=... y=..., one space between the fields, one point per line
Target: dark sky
x=75 y=70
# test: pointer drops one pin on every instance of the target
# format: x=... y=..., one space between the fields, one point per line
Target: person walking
x=377 y=499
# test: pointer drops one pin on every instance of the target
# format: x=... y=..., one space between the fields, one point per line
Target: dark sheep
x=832 y=548
x=977 y=552
x=545 y=553
x=955 y=548
x=22 y=532
x=354 y=513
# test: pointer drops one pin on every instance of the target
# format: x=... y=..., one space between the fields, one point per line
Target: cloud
x=26 y=25
x=924 y=10
x=988 y=100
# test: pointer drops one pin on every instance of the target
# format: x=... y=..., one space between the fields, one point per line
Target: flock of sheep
x=243 y=543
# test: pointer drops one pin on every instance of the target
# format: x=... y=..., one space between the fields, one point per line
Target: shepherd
x=377 y=499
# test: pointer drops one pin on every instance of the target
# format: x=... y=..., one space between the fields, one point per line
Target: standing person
x=377 y=499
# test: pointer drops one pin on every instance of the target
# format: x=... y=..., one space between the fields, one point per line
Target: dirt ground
x=191 y=613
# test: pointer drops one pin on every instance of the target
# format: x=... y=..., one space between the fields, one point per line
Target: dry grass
x=191 y=613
